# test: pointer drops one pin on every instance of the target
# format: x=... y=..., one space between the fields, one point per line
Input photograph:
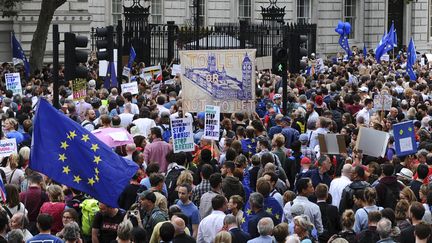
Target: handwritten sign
x=181 y=130
x=212 y=126
x=7 y=147
x=383 y=102
x=79 y=88
x=176 y=69
x=130 y=87
x=155 y=90
x=13 y=82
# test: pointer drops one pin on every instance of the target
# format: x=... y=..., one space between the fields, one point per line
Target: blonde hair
x=370 y=195
x=303 y=222
x=348 y=219
x=13 y=160
x=409 y=195
x=13 y=122
x=223 y=237
x=279 y=140
x=185 y=177
x=25 y=153
x=55 y=193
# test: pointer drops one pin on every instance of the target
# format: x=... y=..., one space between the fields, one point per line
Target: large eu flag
x=271 y=206
x=69 y=154
x=404 y=136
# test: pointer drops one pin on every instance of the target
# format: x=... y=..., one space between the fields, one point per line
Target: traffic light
x=105 y=43
x=73 y=56
x=279 y=61
x=297 y=47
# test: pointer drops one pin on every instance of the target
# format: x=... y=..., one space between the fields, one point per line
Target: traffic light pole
x=56 y=82
x=284 y=93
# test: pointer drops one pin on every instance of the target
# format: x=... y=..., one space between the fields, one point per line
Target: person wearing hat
x=277 y=102
x=305 y=150
x=319 y=175
x=152 y=214
x=405 y=176
x=289 y=133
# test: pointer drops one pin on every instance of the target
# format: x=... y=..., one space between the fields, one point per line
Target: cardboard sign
x=176 y=69
x=13 y=82
x=7 y=147
x=224 y=78
x=130 y=87
x=404 y=136
x=126 y=71
x=212 y=125
x=264 y=63
x=383 y=102
x=149 y=72
x=155 y=90
x=79 y=89
x=182 y=135
x=372 y=142
x=332 y=143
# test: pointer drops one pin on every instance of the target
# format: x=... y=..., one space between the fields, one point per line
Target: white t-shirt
x=126 y=119
x=144 y=125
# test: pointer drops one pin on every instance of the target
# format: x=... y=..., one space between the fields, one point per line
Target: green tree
x=38 y=44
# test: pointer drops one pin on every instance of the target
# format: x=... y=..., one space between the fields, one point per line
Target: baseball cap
x=149 y=195
x=286 y=119
x=364 y=89
x=277 y=96
x=305 y=161
x=303 y=137
x=92 y=83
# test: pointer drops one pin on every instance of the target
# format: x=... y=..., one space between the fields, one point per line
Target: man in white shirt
x=144 y=123
x=126 y=117
x=322 y=124
x=161 y=100
x=212 y=224
x=365 y=112
x=338 y=185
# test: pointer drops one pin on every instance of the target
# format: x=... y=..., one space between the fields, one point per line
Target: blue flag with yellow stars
x=271 y=206
x=69 y=154
x=404 y=137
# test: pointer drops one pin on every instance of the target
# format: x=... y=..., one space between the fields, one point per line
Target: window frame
x=352 y=19
x=244 y=7
x=302 y=15
x=156 y=15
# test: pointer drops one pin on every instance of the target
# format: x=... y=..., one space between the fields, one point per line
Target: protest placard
x=176 y=69
x=224 y=78
x=79 y=88
x=382 y=102
x=126 y=71
x=372 y=142
x=212 y=126
x=13 y=82
x=332 y=143
x=404 y=137
x=7 y=147
x=264 y=63
x=155 y=90
x=149 y=72
x=130 y=87
x=385 y=57
x=181 y=130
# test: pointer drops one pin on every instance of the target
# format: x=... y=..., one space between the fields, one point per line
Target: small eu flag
x=404 y=136
x=18 y=53
x=132 y=56
x=411 y=59
x=110 y=78
x=69 y=154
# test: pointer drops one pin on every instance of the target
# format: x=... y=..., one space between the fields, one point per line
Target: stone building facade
x=369 y=18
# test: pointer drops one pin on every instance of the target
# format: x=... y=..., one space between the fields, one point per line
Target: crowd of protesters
x=264 y=180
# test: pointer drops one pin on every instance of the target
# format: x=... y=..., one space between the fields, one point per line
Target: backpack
x=171 y=182
x=88 y=123
x=261 y=107
x=166 y=133
x=391 y=197
x=89 y=208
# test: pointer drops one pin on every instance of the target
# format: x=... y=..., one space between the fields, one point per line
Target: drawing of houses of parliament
x=219 y=84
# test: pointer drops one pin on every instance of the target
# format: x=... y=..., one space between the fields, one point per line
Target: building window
x=156 y=11
x=117 y=10
x=350 y=15
x=245 y=8
x=303 y=11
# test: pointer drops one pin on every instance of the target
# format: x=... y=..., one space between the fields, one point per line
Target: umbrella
x=113 y=136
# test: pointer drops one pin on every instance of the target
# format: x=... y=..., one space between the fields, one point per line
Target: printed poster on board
x=212 y=125
x=13 y=82
x=182 y=134
x=224 y=78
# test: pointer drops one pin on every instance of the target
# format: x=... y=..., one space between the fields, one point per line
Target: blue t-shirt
x=191 y=211
x=44 y=238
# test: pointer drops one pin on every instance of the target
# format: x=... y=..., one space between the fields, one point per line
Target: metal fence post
x=171 y=39
x=242 y=34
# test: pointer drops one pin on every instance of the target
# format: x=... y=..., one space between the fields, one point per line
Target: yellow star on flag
x=94 y=147
x=401 y=132
x=91 y=181
x=249 y=211
x=269 y=210
x=277 y=216
x=243 y=220
x=64 y=145
x=97 y=159
x=96 y=171
x=97 y=177
x=410 y=129
x=85 y=137
x=72 y=135
x=77 y=179
x=62 y=157
x=66 y=170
